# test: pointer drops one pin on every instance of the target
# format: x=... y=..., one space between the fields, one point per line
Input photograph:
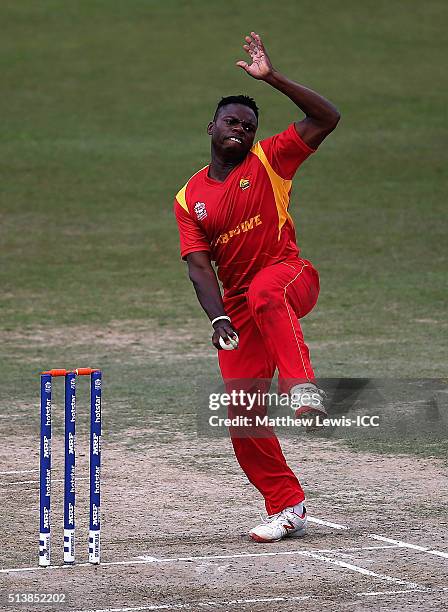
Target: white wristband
x=219 y=319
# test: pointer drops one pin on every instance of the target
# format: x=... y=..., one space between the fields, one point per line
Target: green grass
x=104 y=108
x=415 y=446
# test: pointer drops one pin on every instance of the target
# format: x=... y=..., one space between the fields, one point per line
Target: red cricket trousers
x=267 y=320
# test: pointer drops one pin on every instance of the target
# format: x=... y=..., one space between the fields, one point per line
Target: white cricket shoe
x=281 y=525
x=307 y=403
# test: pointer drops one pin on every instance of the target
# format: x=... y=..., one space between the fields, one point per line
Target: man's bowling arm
x=205 y=283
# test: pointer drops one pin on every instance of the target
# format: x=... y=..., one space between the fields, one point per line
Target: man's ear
x=210 y=127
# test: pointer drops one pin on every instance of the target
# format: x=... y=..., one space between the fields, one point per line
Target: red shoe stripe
x=301 y=516
x=258 y=538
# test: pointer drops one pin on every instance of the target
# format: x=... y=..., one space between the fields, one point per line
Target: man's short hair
x=244 y=100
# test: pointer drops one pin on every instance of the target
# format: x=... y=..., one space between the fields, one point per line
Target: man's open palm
x=261 y=66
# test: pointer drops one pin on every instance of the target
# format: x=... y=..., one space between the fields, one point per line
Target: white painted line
x=360 y=570
x=438 y=553
x=215 y=604
x=145 y=559
x=352 y=549
x=18 y=472
x=34 y=568
x=202 y=604
x=312 y=519
x=397 y=542
x=367 y=593
x=150 y=559
x=21 y=482
x=139 y=608
x=400 y=544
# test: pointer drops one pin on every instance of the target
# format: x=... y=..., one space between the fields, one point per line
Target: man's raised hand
x=261 y=66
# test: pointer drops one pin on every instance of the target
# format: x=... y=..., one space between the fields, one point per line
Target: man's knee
x=264 y=299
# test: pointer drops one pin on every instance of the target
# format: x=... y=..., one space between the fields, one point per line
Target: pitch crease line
x=18 y=472
x=360 y=570
x=146 y=559
x=367 y=593
x=201 y=604
x=20 y=482
x=401 y=544
x=312 y=519
x=149 y=559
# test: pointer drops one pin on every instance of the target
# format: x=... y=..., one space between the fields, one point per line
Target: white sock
x=297 y=509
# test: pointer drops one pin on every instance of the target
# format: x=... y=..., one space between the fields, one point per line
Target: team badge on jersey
x=245 y=183
x=200 y=210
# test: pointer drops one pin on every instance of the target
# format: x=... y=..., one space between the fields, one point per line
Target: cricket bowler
x=234 y=212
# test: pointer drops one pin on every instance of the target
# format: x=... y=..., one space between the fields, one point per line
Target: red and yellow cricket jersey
x=244 y=222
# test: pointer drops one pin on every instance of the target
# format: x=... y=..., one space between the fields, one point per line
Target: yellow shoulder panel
x=281 y=188
x=180 y=196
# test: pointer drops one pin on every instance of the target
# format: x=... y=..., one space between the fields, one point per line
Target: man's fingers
x=225 y=332
x=252 y=43
x=228 y=340
x=250 y=51
x=217 y=337
x=243 y=65
x=260 y=44
x=255 y=41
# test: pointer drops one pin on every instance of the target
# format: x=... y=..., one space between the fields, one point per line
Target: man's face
x=233 y=131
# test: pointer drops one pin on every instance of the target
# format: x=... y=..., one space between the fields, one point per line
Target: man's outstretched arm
x=205 y=283
x=321 y=115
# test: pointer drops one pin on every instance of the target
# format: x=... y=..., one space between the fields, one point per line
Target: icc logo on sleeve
x=200 y=210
